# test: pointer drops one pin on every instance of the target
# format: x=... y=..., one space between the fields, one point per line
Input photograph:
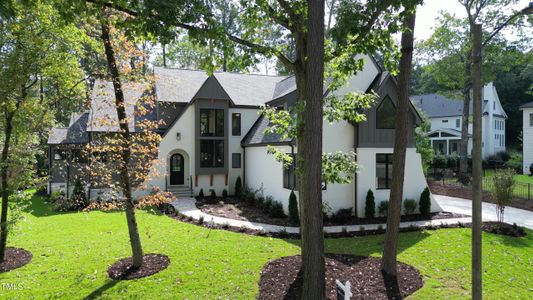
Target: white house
x=527 y=136
x=445 y=116
x=215 y=134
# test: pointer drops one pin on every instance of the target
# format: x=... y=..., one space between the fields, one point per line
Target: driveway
x=464 y=206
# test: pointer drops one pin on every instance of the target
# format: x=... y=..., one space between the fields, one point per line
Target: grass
x=524 y=178
x=71 y=253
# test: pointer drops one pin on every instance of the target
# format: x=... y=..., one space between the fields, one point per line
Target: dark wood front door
x=177 y=173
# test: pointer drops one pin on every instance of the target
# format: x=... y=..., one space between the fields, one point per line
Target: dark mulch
x=15 y=258
x=503 y=229
x=282 y=279
x=152 y=263
x=466 y=193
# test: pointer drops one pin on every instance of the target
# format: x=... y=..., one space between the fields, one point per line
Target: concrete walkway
x=464 y=206
x=187 y=207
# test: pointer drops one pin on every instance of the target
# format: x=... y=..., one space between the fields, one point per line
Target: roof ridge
x=221 y=72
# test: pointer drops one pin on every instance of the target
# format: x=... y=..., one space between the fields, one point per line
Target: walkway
x=464 y=206
x=187 y=207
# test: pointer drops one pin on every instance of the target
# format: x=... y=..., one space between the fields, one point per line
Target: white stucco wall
x=414 y=183
x=527 y=140
x=437 y=123
x=362 y=80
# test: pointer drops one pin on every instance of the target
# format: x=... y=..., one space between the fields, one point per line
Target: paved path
x=464 y=206
x=187 y=207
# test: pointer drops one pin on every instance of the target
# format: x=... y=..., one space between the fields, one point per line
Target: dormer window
x=386 y=114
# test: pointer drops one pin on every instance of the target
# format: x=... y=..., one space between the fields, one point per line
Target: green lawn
x=71 y=253
x=518 y=177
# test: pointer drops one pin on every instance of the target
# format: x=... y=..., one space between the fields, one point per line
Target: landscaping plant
x=201 y=193
x=293 y=209
x=370 y=205
x=504 y=182
x=238 y=187
x=383 y=207
x=224 y=193
x=213 y=194
x=276 y=210
x=409 y=206
x=425 y=202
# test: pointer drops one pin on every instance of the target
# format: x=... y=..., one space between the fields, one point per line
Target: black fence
x=450 y=177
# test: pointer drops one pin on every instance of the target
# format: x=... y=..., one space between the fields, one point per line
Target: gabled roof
x=76 y=133
x=451 y=131
x=435 y=105
x=527 y=105
x=257 y=136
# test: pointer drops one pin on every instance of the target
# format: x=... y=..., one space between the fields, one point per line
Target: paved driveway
x=464 y=206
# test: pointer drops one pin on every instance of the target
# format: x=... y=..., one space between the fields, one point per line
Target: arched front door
x=177 y=172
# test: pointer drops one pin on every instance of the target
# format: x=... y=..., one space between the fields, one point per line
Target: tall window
x=212 y=122
x=289 y=175
x=236 y=124
x=530 y=120
x=236 y=160
x=386 y=114
x=383 y=170
x=211 y=153
x=457 y=123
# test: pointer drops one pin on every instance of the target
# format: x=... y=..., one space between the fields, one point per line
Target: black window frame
x=445 y=121
x=217 y=131
x=457 y=123
x=530 y=119
x=62 y=154
x=290 y=180
x=213 y=149
x=388 y=164
x=236 y=157
x=378 y=120
x=236 y=119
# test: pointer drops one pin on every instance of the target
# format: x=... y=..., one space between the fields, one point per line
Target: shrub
x=503 y=181
x=283 y=233
x=425 y=202
x=383 y=207
x=224 y=193
x=276 y=210
x=79 y=197
x=504 y=156
x=452 y=161
x=238 y=187
x=326 y=210
x=515 y=161
x=213 y=194
x=267 y=204
x=370 y=205
x=201 y=193
x=344 y=230
x=409 y=206
x=260 y=201
x=439 y=161
x=342 y=215
x=56 y=195
x=201 y=220
x=248 y=194
x=293 y=209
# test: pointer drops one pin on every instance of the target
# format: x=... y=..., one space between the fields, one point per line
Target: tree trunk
x=125 y=151
x=403 y=127
x=463 y=155
x=164 y=56
x=5 y=189
x=477 y=171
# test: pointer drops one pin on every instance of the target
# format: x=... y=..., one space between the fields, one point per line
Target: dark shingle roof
x=257 y=135
x=527 y=105
x=435 y=105
x=284 y=87
x=76 y=133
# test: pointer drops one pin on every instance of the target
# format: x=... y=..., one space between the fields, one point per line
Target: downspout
x=50 y=158
x=356 y=146
x=292 y=166
x=243 y=165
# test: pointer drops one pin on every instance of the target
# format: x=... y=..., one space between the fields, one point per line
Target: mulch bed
x=282 y=279
x=503 y=229
x=152 y=263
x=15 y=258
x=466 y=193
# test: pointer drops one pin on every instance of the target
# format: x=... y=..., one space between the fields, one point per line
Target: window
x=457 y=123
x=212 y=122
x=444 y=121
x=383 y=170
x=236 y=160
x=59 y=154
x=289 y=175
x=236 y=124
x=386 y=114
x=211 y=153
x=530 y=120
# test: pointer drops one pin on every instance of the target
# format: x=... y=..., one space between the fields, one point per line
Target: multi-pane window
x=212 y=122
x=211 y=153
x=386 y=114
x=289 y=175
x=383 y=170
x=236 y=160
x=444 y=121
x=457 y=123
x=236 y=124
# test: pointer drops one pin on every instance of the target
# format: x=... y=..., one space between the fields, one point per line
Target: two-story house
x=215 y=134
x=527 y=137
x=445 y=115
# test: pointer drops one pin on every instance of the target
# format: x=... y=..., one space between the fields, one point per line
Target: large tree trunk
x=477 y=171
x=402 y=133
x=8 y=129
x=463 y=148
x=125 y=150
x=309 y=70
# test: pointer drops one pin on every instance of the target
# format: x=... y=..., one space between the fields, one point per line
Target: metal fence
x=450 y=177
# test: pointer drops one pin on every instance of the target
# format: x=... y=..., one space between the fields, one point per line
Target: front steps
x=180 y=191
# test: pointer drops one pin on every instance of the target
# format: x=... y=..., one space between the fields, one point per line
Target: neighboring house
x=445 y=116
x=527 y=136
x=214 y=134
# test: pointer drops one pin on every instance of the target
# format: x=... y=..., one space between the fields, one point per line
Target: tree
x=503 y=181
x=403 y=127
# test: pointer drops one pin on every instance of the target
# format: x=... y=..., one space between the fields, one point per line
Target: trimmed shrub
x=224 y=193
x=201 y=193
x=425 y=202
x=267 y=204
x=276 y=210
x=342 y=215
x=213 y=194
x=293 y=209
x=503 y=181
x=370 y=205
x=238 y=187
x=383 y=207
x=56 y=195
x=409 y=206
x=439 y=161
x=247 y=194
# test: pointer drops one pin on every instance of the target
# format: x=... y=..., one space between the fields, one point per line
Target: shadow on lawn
x=99 y=291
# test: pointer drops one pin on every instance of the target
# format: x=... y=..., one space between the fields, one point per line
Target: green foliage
x=515 y=161
x=383 y=207
x=276 y=210
x=409 y=206
x=238 y=187
x=294 y=215
x=224 y=193
x=213 y=194
x=503 y=181
x=423 y=144
x=439 y=161
x=79 y=197
x=201 y=193
x=424 y=204
x=54 y=196
x=370 y=205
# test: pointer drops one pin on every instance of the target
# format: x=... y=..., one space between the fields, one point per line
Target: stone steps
x=180 y=191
